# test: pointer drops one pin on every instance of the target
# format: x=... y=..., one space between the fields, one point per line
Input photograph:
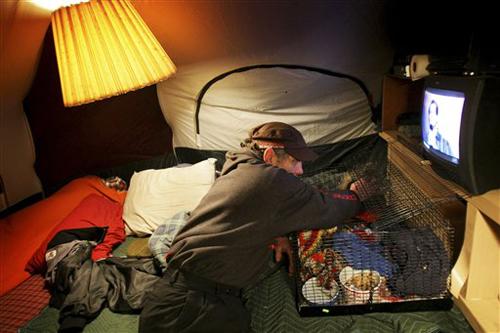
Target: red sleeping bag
x=23 y=232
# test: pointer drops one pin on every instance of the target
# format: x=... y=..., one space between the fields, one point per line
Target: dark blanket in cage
x=422 y=263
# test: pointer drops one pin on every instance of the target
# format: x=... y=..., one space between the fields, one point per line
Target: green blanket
x=272 y=306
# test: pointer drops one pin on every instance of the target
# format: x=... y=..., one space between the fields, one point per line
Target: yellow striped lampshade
x=104 y=49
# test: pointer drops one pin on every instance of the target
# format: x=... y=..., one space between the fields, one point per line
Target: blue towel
x=360 y=254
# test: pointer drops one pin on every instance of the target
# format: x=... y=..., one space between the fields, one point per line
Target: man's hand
x=282 y=246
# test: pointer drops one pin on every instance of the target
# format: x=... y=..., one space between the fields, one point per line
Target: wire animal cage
x=396 y=256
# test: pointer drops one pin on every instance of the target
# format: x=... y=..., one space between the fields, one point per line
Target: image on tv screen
x=441 y=119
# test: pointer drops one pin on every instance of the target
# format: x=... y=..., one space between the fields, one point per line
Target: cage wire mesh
x=397 y=250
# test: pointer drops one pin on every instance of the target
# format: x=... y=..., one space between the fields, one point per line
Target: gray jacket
x=228 y=235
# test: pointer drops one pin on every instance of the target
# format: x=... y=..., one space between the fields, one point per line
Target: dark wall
x=71 y=142
x=448 y=29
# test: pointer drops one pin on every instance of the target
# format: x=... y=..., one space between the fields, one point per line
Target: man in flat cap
x=224 y=246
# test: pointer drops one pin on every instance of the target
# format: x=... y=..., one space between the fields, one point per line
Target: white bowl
x=359 y=285
x=314 y=293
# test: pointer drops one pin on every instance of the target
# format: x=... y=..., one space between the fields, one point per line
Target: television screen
x=441 y=119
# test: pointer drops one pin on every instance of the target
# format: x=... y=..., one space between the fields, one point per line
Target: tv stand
x=475 y=277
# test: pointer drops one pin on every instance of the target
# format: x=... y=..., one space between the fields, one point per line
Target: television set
x=461 y=130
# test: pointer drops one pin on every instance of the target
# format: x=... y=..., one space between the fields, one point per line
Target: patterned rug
x=22 y=303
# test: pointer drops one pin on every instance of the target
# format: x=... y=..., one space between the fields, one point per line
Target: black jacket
x=81 y=288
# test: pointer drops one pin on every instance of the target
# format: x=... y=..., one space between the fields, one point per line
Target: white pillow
x=154 y=196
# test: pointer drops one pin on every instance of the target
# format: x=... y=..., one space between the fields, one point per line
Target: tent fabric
x=218 y=78
x=326 y=109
